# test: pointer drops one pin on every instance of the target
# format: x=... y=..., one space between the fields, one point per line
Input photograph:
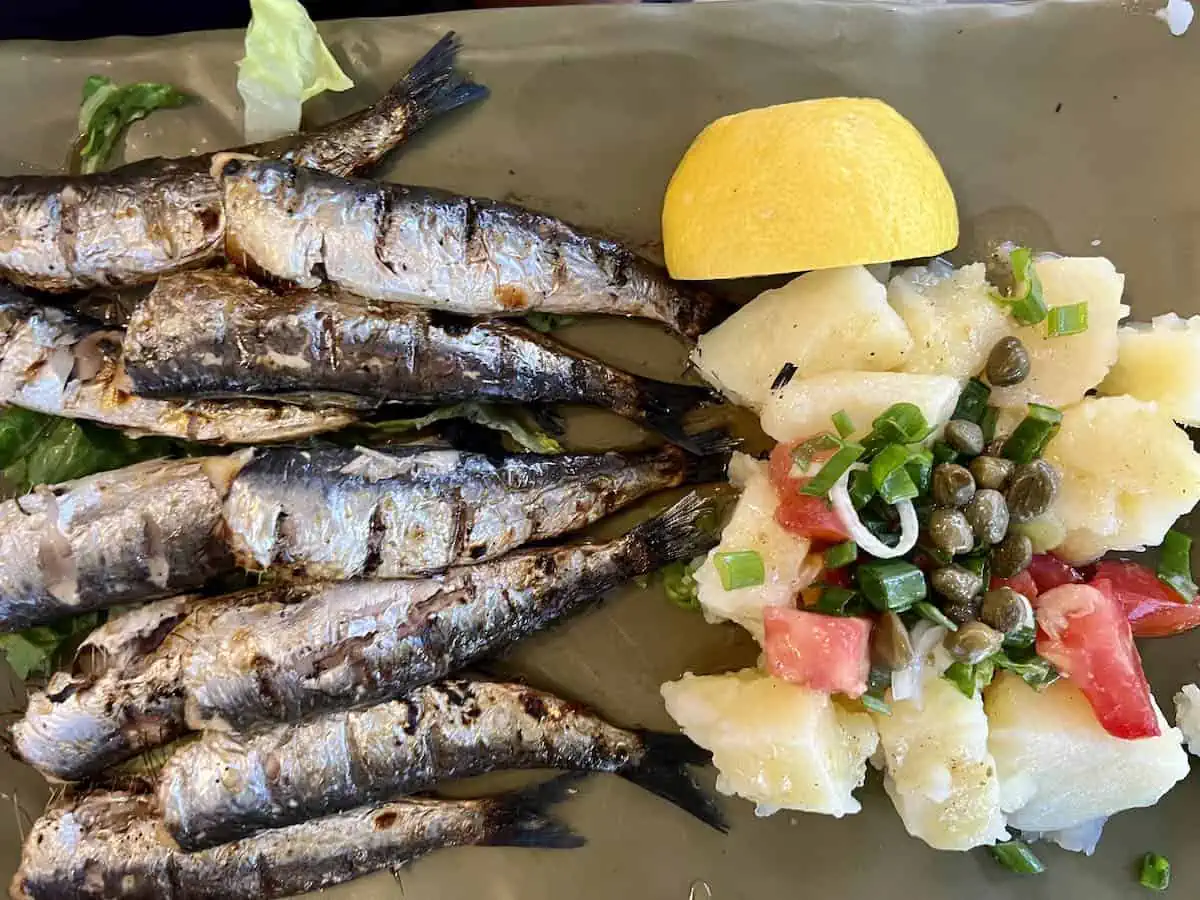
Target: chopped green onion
x=679 y=582
x=980 y=564
x=739 y=569
x=928 y=611
x=971 y=679
x=843 y=423
x=944 y=453
x=888 y=460
x=841 y=555
x=900 y=423
x=899 y=486
x=1036 y=672
x=987 y=424
x=1035 y=431
x=835 y=601
x=1026 y=302
x=892 y=584
x=875 y=704
x=1175 y=564
x=973 y=401
x=820 y=483
x=1017 y=857
x=920 y=469
x=861 y=489
x=803 y=454
x=1156 y=872
x=1067 y=320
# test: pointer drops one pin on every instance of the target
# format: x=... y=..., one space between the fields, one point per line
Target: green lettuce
x=513 y=421
x=108 y=109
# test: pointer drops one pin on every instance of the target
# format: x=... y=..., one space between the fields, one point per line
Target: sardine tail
x=709 y=467
x=664 y=407
x=683 y=531
x=663 y=771
x=520 y=819
x=434 y=86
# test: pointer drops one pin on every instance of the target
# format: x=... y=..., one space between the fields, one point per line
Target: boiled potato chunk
x=1127 y=474
x=953 y=321
x=1063 y=369
x=939 y=773
x=806 y=406
x=777 y=744
x=1160 y=362
x=831 y=319
x=752 y=527
x=1058 y=768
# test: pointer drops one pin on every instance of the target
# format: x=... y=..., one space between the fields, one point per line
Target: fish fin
x=679 y=533
x=519 y=819
x=708 y=467
x=433 y=86
x=663 y=771
x=699 y=312
x=664 y=407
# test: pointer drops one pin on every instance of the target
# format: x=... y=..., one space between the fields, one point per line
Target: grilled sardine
x=143 y=220
x=110 y=845
x=54 y=362
x=224 y=787
x=215 y=334
x=432 y=248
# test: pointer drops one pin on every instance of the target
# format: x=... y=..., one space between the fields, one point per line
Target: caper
x=890 y=643
x=1012 y=555
x=987 y=514
x=950 y=531
x=965 y=437
x=1008 y=363
x=1031 y=490
x=961 y=613
x=1007 y=611
x=952 y=485
x=973 y=642
x=991 y=472
x=956 y=584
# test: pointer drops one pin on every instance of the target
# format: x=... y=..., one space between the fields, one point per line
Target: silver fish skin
x=216 y=334
x=292 y=652
x=122 y=695
x=432 y=248
x=148 y=218
x=145 y=531
x=54 y=362
x=222 y=787
x=110 y=845
x=335 y=513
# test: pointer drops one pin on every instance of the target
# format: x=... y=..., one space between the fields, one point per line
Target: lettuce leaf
x=108 y=109
x=285 y=63
x=512 y=421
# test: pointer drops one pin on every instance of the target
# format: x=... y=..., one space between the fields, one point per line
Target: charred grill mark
x=412 y=717
x=261 y=668
x=376 y=533
x=384 y=210
x=533 y=704
x=384 y=821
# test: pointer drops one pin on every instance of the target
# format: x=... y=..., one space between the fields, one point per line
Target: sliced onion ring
x=839 y=495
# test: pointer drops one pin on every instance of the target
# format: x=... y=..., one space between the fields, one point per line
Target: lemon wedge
x=810 y=185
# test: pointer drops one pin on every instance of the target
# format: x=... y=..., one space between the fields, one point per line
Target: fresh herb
x=1029 y=439
x=970 y=680
x=900 y=423
x=739 y=569
x=841 y=555
x=891 y=584
x=108 y=109
x=833 y=469
x=973 y=401
x=513 y=421
x=785 y=374
x=843 y=423
x=875 y=704
x=1026 y=302
x=1175 y=564
x=679 y=582
x=991 y=416
x=1067 y=320
x=980 y=564
x=1036 y=672
x=928 y=611
x=944 y=453
x=1155 y=872
x=1017 y=857
x=836 y=601
x=548 y=322
x=37 y=652
x=920 y=469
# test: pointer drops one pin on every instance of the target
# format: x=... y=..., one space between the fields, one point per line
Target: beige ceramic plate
x=1069 y=126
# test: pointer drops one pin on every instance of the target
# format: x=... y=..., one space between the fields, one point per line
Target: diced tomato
x=1082 y=630
x=1022 y=583
x=1152 y=608
x=824 y=653
x=1049 y=571
x=802 y=514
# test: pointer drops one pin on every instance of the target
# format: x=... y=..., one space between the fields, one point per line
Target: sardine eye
x=232 y=168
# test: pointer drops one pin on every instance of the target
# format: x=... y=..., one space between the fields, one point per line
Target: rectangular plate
x=1068 y=126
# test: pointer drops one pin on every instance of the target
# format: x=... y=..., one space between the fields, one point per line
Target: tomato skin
x=824 y=653
x=802 y=514
x=1083 y=631
x=1153 y=609
x=1022 y=583
x=1048 y=572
